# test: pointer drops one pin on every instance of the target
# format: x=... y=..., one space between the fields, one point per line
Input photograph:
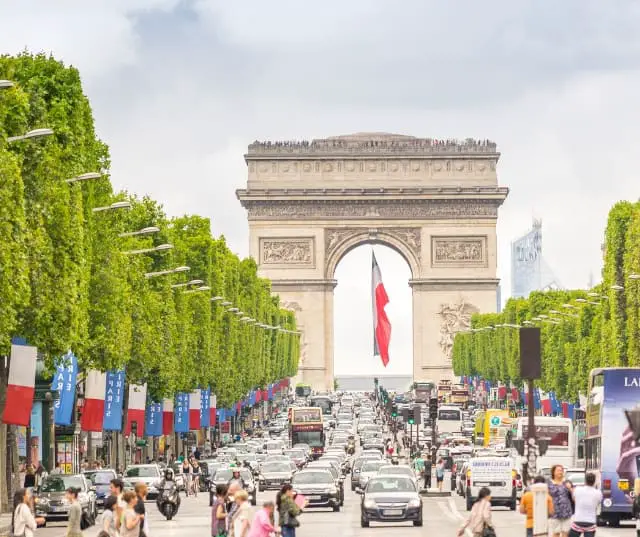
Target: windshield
x=61 y=483
x=274 y=446
x=100 y=478
x=142 y=471
x=555 y=435
x=295 y=453
x=373 y=466
x=449 y=415
x=396 y=470
x=311 y=438
x=389 y=484
x=275 y=467
x=226 y=474
x=309 y=478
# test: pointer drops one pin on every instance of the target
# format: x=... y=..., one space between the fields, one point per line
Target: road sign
x=496 y=421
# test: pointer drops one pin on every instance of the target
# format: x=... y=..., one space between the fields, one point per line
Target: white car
x=149 y=474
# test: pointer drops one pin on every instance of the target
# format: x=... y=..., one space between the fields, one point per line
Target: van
x=496 y=473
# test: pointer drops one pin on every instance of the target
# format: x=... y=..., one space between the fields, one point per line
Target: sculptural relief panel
x=287 y=251
x=462 y=251
x=454 y=317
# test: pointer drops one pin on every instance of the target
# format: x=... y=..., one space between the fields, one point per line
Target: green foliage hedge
x=65 y=283
x=597 y=327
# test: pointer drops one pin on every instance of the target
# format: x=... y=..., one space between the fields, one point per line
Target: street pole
x=530 y=369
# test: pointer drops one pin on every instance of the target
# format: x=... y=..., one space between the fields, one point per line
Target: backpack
x=86 y=520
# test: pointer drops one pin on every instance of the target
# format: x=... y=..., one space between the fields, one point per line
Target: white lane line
x=459 y=517
x=447 y=512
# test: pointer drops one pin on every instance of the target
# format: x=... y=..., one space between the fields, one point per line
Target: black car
x=224 y=475
x=390 y=498
x=101 y=481
x=274 y=474
x=319 y=487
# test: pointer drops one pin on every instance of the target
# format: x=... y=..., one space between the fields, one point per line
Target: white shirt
x=587 y=501
x=24 y=523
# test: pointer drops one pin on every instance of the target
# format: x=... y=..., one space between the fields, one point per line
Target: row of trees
x=581 y=329
x=65 y=282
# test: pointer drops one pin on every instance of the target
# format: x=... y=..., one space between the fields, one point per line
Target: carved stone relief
x=287 y=251
x=335 y=236
x=458 y=251
x=410 y=236
x=454 y=318
x=295 y=306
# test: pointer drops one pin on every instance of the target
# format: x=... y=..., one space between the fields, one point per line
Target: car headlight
x=414 y=503
x=369 y=504
x=333 y=490
x=42 y=501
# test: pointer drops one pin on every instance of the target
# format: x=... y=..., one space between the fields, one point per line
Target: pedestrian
x=479 y=521
x=108 y=518
x=75 y=513
x=561 y=493
x=187 y=473
x=440 y=474
x=116 y=487
x=288 y=511
x=587 y=500
x=241 y=521
x=418 y=465
x=141 y=492
x=131 y=521
x=30 y=477
x=262 y=525
x=23 y=522
x=427 y=471
x=232 y=506
x=526 y=506
x=219 y=512
x=195 y=471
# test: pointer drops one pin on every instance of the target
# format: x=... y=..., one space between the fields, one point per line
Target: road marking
x=458 y=516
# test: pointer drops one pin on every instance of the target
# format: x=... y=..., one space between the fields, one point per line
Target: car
x=298 y=456
x=335 y=472
x=224 y=474
x=100 y=480
x=373 y=443
x=50 y=497
x=390 y=498
x=398 y=469
x=178 y=476
x=149 y=474
x=318 y=486
x=368 y=470
x=274 y=474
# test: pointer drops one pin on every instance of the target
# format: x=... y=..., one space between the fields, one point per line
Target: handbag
x=86 y=520
x=290 y=521
x=488 y=531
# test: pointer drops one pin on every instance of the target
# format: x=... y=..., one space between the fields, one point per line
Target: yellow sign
x=623 y=484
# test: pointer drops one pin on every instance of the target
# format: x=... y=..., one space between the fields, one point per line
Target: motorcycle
x=350 y=448
x=168 y=501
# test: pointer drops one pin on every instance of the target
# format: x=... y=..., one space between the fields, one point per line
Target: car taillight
x=513 y=483
x=606 y=484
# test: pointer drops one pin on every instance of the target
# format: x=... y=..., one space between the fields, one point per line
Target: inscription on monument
x=287 y=251
x=459 y=251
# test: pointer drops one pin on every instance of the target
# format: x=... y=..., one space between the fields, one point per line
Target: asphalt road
x=442 y=518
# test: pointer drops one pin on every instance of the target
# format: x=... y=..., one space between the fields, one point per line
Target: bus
x=491 y=427
x=558 y=432
x=449 y=419
x=422 y=391
x=460 y=395
x=610 y=450
x=303 y=390
x=322 y=401
x=306 y=427
x=444 y=390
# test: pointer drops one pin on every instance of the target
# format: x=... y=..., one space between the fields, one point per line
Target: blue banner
x=114 y=401
x=64 y=382
x=205 y=407
x=181 y=413
x=270 y=393
x=153 y=419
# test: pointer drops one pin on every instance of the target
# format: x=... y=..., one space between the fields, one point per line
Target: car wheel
x=254 y=500
x=417 y=523
x=364 y=523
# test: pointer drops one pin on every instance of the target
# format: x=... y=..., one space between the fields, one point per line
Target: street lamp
x=159 y=248
x=198 y=289
x=35 y=133
x=225 y=303
x=113 y=206
x=634 y=276
x=143 y=231
x=4 y=84
x=232 y=310
x=617 y=287
x=185 y=284
x=239 y=313
x=84 y=177
x=165 y=272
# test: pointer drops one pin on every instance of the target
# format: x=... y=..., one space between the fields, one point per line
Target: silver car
x=368 y=470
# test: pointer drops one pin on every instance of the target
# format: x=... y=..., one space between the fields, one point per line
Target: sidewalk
x=5 y=524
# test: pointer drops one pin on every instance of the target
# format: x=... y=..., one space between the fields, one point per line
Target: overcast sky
x=180 y=88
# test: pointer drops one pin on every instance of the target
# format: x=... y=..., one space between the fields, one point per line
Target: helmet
x=168 y=474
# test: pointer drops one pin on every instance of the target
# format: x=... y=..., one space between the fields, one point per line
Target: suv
x=50 y=496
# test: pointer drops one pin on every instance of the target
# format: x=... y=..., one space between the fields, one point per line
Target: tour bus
x=491 y=427
x=444 y=390
x=422 y=391
x=449 y=419
x=306 y=427
x=460 y=395
x=558 y=432
x=322 y=401
x=610 y=449
x=303 y=390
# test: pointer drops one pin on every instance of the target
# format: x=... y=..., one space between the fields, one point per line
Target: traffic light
x=410 y=417
x=433 y=408
x=417 y=414
x=394 y=411
x=405 y=415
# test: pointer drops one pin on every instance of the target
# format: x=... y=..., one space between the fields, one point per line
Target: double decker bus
x=460 y=395
x=444 y=390
x=610 y=449
x=306 y=427
x=422 y=391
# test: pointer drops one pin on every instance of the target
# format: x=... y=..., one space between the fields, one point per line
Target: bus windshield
x=322 y=402
x=449 y=415
x=555 y=435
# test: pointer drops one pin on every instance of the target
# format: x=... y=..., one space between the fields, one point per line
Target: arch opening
x=354 y=365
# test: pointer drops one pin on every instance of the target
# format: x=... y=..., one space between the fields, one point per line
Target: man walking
x=587 y=500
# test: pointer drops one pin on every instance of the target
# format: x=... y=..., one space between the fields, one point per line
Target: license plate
x=480 y=484
x=623 y=485
x=314 y=497
x=57 y=509
x=392 y=512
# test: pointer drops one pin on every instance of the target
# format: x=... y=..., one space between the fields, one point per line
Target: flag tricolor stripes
x=381 y=324
x=93 y=410
x=21 y=385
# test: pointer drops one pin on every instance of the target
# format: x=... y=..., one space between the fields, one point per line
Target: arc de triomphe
x=434 y=202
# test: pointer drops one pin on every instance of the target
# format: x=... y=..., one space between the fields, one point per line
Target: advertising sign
x=526 y=257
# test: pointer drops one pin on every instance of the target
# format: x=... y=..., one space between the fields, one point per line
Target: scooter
x=168 y=501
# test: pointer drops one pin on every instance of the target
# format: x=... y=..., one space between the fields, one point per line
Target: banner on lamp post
x=205 y=402
x=114 y=401
x=153 y=425
x=64 y=382
x=181 y=413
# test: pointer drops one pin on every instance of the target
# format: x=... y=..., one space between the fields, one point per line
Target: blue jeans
x=288 y=532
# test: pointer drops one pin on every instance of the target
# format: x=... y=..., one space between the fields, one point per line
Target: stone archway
x=434 y=202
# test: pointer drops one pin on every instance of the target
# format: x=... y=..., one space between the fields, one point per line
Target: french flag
x=93 y=410
x=213 y=402
x=137 y=406
x=21 y=387
x=167 y=417
x=194 y=410
x=381 y=324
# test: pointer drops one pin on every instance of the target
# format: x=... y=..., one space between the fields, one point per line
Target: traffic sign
x=496 y=421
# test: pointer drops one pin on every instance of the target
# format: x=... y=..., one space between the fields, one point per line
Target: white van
x=496 y=473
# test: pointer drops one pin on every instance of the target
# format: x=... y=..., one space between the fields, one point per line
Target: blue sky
x=180 y=88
